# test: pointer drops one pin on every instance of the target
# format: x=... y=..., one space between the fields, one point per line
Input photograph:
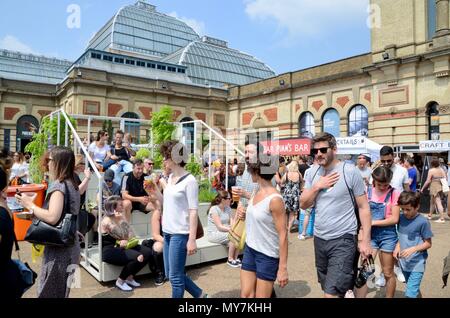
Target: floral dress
x=291 y=194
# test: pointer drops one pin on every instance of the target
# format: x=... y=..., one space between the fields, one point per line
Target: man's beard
x=328 y=158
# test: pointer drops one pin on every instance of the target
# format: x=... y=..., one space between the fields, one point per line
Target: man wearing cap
x=109 y=186
x=363 y=169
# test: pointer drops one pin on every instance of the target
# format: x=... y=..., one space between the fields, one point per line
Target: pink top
x=379 y=198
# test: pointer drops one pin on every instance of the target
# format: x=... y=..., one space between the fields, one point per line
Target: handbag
x=237 y=234
x=61 y=235
x=445 y=187
x=27 y=275
x=200 y=232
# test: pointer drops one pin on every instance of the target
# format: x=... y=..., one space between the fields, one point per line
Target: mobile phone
x=18 y=192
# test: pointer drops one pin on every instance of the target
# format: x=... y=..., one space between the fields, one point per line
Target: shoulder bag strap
x=182 y=178
x=66 y=206
x=352 y=196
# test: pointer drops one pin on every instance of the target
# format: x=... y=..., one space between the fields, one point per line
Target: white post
x=66 y=139
x=226 y=166
x=88 y=132
x=195 y=139
x=58 y=132
x=209 y=151
x=100 y=245
x=122 y=125
x=152 y=144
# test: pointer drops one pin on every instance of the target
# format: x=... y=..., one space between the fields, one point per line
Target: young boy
x=415 y=234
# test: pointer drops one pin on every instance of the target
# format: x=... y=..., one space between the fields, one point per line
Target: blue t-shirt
x=412 y=233
x=412 y=174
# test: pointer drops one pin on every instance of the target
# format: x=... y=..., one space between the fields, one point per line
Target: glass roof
x=33 y=68
x=210 y=62
x=139 y=28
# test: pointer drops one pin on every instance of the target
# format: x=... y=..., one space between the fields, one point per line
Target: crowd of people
x=361 y=211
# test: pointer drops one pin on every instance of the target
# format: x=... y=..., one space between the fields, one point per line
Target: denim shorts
x=413 y=280
x=266 y=267
x=384 y=238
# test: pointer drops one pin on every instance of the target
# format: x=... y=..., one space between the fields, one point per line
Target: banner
x=434 y=146
x=288 y=147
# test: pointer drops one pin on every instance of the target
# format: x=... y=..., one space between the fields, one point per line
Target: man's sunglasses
x=323 y=150
x=386 y=161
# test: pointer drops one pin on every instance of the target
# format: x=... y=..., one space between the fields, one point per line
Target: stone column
x=442 y=17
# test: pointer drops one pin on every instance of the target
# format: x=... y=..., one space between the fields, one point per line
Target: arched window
x=306 y=126
x=27 y=126
x=132 y=127
x=331 y=122
x=431 y=17
x=433 y=121
x=188 y=134
x=358 y=121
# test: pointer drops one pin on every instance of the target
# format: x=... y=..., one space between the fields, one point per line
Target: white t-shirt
x=399 y=177
x=99 y=153
x=18 y=169
x=178 y=200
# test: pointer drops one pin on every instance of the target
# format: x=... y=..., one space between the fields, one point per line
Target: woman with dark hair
x=98 y=150
x=385 y=214
x=10 y=282
x=435 y=175
x=58 y=263
x=219 y=224
x=266 y=250
x=179 y=219
x=116 y=233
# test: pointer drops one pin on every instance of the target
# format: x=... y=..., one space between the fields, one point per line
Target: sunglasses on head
x=323 y=150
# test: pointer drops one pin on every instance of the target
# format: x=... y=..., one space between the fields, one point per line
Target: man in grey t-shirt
x=335 y=228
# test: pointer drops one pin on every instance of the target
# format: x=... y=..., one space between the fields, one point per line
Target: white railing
x=78 y=144
x=228 y=145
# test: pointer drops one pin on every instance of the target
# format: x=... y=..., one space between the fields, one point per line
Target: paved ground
x=222 y=281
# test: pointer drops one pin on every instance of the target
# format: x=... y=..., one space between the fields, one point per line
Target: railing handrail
x=213 y=131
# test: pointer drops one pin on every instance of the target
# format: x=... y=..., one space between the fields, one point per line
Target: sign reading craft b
x=288 y=147
x=434 y=145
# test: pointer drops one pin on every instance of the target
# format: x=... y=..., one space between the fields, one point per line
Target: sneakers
x=398 y=272
x=302 y=237
x=160 y=279
x=381 y=281
x=237 y=260
x=349 y=294
x=440 y=221
x=132 y=283
x=123 y=286
x=233 y=263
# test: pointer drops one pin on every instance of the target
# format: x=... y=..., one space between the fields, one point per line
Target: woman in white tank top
x=266 y=251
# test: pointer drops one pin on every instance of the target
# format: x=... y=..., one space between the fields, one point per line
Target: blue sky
x=287 y=35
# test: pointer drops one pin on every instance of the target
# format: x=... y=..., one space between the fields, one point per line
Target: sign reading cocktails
x=434 y=145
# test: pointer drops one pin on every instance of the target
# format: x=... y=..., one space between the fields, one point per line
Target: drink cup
x=236 y=196
x=149 y=183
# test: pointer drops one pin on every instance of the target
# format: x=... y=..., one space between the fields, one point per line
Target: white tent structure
x=358 y=145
